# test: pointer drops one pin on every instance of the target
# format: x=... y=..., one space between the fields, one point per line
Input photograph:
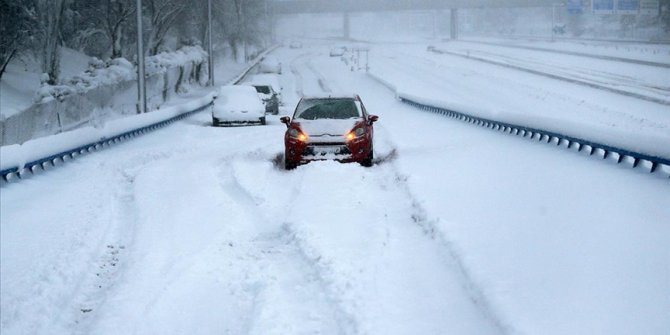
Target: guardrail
x=653 y=164
x=21 y=171
x=11 y=174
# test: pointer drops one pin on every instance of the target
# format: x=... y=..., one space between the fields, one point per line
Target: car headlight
x=295 y=133
x=356 y=133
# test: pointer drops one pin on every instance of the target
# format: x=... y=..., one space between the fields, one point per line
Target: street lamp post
x=210 y=60
x=141 y=84
x=553 y=20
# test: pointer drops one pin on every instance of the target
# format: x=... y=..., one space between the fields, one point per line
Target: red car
x=329 y=127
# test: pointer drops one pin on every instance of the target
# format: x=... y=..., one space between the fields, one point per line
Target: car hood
x=327 y=128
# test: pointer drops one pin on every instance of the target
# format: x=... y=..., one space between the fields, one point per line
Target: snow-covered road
x=507 y=95
x=642 y=81
x=199 y=230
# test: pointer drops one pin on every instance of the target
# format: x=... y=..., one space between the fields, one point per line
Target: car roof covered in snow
x=331 y=95
x=238 y=96
x=265 y=79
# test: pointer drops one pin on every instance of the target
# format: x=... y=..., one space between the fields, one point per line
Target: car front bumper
x=302 y=153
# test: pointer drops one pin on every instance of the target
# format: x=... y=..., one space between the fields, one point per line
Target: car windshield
x=314 y=109
x=263 y=89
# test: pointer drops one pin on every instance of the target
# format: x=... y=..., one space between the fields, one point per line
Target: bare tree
x=15 y=30
x=191 y=25
x=50 y=19
x=163 y=15
x=665 y=15
x=117 y=13
x=241 y=23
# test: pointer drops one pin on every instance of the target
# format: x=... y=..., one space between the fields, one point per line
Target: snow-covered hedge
x=106 y=90
x=118 y=70
x=38 y=153
x=185 y=55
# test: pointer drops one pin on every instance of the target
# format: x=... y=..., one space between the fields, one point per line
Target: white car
x=238 y=105
x=295 y=45
x=337 y=51
x=269 y=90
x=269 y=64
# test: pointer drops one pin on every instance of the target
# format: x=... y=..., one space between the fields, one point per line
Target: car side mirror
x=373 y=118
x=285 y=120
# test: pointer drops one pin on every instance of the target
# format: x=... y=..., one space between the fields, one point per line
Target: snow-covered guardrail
x=20 y=160
x=652 y=164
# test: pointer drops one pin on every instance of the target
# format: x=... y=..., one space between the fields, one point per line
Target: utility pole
x=453 y=29
x=210 y=59
x=141 y=84
x=553 y=20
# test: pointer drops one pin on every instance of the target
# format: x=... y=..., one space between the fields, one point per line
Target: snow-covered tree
x=240 y=22
x=50 y=20
x=665 y=15
x=163 y=14
x=16 y=20
x=117 y=15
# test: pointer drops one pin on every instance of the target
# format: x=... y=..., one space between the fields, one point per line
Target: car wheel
x=288 y=165
x=367 y=162
x=215 y=122
x=262 y=120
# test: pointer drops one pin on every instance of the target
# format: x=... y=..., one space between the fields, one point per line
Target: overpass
x=351 y=6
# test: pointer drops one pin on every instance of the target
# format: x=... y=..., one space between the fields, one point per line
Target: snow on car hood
x=330 y=127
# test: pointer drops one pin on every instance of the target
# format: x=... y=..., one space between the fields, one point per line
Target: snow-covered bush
x=98 y=74
x=185 y=55
x=104 y=91
x=118 y=70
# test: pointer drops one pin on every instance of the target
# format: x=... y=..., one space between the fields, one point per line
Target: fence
x=95 y=105
x=20 y=166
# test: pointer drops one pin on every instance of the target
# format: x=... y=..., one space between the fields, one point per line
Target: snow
x=333 y=127
x=119 y=70
x=238 y=103
x=22 y=78
x=642 y=80
x=180 y=57
x=266 y=79
x=455 y=229
x=98 y=74
x=17 y=155
x=658 y=53
x=515 y=97
x=269 y=64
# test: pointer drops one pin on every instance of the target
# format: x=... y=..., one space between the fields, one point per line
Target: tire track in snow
x=429 y=228
x=371 y=278
x=110 y=263
x=298 y=83
x=114 y=246
x=468 y=282
x=284 y=250
x=421 y=218
x=304 y=61
x=323 y=84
